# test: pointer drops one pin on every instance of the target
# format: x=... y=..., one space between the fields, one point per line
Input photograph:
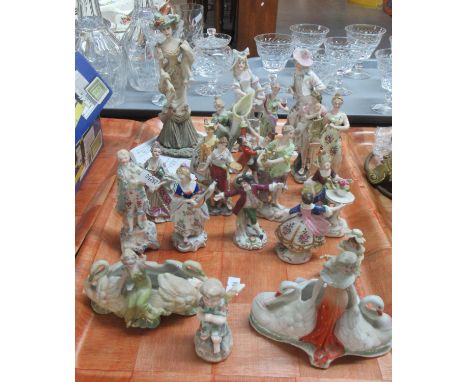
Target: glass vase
x=101 y=48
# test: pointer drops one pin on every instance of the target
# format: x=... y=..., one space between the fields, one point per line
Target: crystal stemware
x=308 y=36
x=367 y=37
x=190 y=27
x=138 y=43
x=384 y=65
x=101 y=48
x=323 y=66
x=342 y=53
x=383 y=142
x=274 y=50
x=214 y=57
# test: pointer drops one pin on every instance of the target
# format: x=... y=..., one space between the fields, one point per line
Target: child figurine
x=303 y=232
x=305 y=87
x=222 y=119
x=325 y=317
x=160 y=198
x=308 y=134
x=219 y=162
x=269 y=116
x=325 y=175
x=249 y=235
x=205 y=147
x=274 y=166
x=138 y=233
x=213 y=339
x=189 y=212
x=335 y=122
x=354 y=243
x=248 y=158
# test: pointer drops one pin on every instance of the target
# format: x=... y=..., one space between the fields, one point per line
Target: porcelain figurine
x=325 y=317
x=178 y=136
x=335 y=122
x=213 y=339
x=308 y=141
x=219 y=163
x=306 y=85
x=327 y=177
x=249 y=235
x=138 y=233
x=249 y=151
x=204 y=148
x=189 y=212
x=269 y=116
x=142 y=291
x=159 y=198
x=221 y=118
x=354 y=242
x=304 y=231
x=244 y=81
x=274 y=166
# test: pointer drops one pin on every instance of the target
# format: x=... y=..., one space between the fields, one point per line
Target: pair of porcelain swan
x=174 y=289
x=291 y=313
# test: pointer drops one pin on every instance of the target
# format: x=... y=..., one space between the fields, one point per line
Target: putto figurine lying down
x=325 y=317
x=142 y=291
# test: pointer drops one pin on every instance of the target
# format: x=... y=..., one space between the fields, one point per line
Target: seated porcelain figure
x=325 y=317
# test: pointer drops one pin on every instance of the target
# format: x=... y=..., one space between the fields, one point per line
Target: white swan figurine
x=363 y=327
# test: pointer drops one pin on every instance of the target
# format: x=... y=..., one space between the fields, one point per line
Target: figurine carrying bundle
x=142 y=291
x=325 y=317
x=204 y=148
x=137 y=233
x=213 y=339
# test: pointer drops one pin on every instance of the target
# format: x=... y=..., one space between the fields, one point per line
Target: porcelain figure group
x=241 y=167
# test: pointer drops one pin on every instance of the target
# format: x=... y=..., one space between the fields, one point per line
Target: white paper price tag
x=233 y=282
x=149 y=180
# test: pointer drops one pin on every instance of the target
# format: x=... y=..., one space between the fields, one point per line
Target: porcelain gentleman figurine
x=213 y=339
x=325 y=317
x=249 y=234
x=142 y=291
x=178 y=136
x=222 y=119
x=138 y=233
x=306 y=85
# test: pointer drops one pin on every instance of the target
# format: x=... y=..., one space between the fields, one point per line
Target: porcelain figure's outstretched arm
x=353 y=298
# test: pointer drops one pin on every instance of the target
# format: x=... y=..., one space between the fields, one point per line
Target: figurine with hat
x=202 y=151
x=306 y=85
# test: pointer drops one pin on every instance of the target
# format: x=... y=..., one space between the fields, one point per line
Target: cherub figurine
x=249 y=234
x=305 y=87
x=178 y=136
x=304 y=231
x=335 y=121
x=213 y=339
x=354 y=243
x=142 y=291
x=189 y=212
x=138 y=233
x=159 y=198
x=269 y=116
x=325 y=317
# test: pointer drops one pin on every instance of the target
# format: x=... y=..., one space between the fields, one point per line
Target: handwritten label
x=233 y=282
x=149 y=180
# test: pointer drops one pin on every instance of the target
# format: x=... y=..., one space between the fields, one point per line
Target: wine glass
x=342 y=53
x=214 y=57
x=190 y=27
x=323 y=66
x=309 y=36
x=274 y=50
x=367 y=39
x=384 y=65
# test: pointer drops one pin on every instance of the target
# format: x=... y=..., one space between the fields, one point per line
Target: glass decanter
x=101 y=48
x=138 y=43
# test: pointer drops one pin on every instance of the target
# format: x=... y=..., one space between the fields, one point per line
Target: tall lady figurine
x=138 y=233
x=160 y=198
x=335 y=122
x=271 y=105
x=245 y=81
x=189 y=212
x=175 y=62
